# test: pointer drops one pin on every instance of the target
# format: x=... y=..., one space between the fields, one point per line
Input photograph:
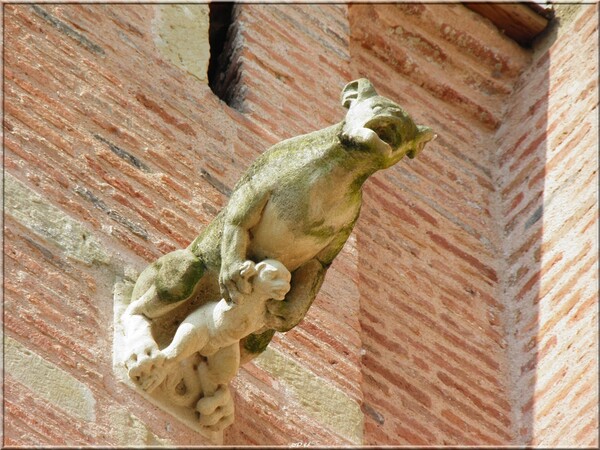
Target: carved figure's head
x=270 y=279
x=380 y=124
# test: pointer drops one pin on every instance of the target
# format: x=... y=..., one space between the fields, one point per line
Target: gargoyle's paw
x=211 y=419
x=219 y=419
x=150 y=382
x=221 y=424
x=235 y=279
x=220 y=399
x=227 y=409
x=247 y=270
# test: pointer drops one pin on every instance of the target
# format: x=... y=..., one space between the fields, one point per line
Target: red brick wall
x=451 y=244
x=114 y=156
x=548 y=182
x=434 y=348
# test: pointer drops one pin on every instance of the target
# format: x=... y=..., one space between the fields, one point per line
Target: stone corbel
x=189 y=376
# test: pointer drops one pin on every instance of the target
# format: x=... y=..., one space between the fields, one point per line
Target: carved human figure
x=297 y=204
x=214 y=330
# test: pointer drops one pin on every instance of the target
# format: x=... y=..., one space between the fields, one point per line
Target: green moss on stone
x=257 y=343
x=178 y=275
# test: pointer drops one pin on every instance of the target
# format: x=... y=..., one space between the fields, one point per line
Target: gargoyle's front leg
x=216 y=405
x=243 y=212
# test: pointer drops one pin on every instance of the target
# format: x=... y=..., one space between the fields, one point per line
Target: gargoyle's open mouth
x=388 y=129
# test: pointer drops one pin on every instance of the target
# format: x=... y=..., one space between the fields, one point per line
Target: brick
x=485 y=270
x=450 y=257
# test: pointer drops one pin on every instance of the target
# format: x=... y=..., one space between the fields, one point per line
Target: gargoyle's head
x=380 y=124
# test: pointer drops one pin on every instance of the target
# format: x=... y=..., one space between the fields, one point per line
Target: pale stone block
x=181 y=34
x=128 y=430
x=327 y=404
x=48 y=381
x=49 y=222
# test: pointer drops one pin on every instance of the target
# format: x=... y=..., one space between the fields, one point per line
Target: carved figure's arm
x=243 y=212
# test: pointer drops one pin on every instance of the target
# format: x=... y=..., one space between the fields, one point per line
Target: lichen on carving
x=196 y=314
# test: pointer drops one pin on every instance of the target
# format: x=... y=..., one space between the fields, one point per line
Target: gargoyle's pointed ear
x=357 y=90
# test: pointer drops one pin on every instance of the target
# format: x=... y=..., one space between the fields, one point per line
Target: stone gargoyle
x=196 y=314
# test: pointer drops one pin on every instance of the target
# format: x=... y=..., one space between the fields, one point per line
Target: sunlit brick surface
x=463 y=309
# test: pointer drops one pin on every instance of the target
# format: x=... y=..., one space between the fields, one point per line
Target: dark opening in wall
x=223 y=66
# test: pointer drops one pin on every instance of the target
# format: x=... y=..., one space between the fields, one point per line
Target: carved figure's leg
x=143 y=352
x=191 y=336
x=162 y=287
x=216 y=406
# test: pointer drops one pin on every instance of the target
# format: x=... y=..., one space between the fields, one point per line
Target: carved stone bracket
x=186 y=414
x=187 y=371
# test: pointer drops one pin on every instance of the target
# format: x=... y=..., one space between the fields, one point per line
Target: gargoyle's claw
x=207 y=405
x=210 y=419
x=152 y=382
x=216 y=411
